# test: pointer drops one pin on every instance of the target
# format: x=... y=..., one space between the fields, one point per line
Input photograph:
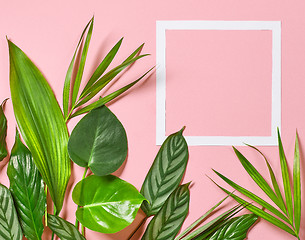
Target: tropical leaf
x=167 y=222
x=27 y=189
x=63 y=229
x=297 y=185
x=107 y=204
x=99 y=142
x=3 y=132
x=41 y=123
x=165 y=173
x=9 y=225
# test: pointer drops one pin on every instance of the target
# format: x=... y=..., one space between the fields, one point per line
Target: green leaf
x=108 y=98
x=27 y=189
x=67 y=84
x=41 y=123
x=3 y=132
x=167 y=222
x=235 y=229
x=297 y=185
x=108 y=204
x=286 y=179
x=9 y=225
x=165 y=173
x=63 y=229
x=99 y=142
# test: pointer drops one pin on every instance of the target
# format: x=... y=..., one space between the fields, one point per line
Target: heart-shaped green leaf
x=99 y=142
x=235 y=229
x=108 y=204
x=63 y=229
x=167 y=222
x=3 y=131
x=166 y=173
x=41 y=123
x=9 y=225
x=27 y=189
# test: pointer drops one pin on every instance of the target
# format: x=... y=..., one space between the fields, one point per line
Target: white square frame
x=274 y=26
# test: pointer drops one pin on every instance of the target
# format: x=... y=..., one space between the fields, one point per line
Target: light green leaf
x=108 y=204
x=297 y=185
x=235 y=229
x=165 y=173
x=99 y=142
x=27 y=189
x=63 y=229
x=41 y=123
x=3 y=132
x=167 y=222
x=9 y=225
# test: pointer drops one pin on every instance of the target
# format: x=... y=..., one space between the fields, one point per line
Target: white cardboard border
x=274 y=26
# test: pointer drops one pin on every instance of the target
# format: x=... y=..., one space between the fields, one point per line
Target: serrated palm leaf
x=297 y=185
x=165 y=173
x=41 y=123
x=167 y=222
x=3 y=132
x=9 y=225
x=27 y=189
x=63 y=229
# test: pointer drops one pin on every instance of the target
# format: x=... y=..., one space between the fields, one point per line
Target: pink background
x=49 y=32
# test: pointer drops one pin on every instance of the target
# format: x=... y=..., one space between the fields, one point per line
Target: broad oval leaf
x=99 y=142
x=27 y=189
x=108 y=204
x=3 y=131
x=41 y=123
x=63 y=229
x=165 y=173
x=235 y=229
x=167 y=222
x=9 y=225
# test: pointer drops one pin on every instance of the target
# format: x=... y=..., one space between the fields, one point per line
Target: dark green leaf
x=27 y=189
x=3 y=132
x=167 y=222
x=235 y=229
x=63 y=229
x=41 y=123
x=99 y=142
x=165 y=173
x=297 y=185
x=108 y=204
x=9 y=225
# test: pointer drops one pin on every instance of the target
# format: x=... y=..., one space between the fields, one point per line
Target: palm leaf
x=297 y=185
x=3 y=132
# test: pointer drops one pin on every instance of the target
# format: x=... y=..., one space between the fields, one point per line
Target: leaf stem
x=138 y=227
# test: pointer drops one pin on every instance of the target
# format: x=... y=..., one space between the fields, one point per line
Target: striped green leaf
x=165 y=173
x=3 y=132
x=63 y=229
x=167 y=222
x=27 y=189
x=9 y=225
x=41 y=123
x=297 y=185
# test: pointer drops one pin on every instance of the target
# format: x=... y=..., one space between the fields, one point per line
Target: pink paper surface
x=49 y=31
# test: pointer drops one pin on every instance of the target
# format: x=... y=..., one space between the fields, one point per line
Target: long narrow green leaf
x=134 y=53
x=259 y=212
x=253 y=197
x=297 y=185
x=166 y=224
x=259 y=180
x=3 y=132
x=103 y=81
x=67 y=84
x=165 y=173
x=9 y=225
x=63 y=229
x=102 y=67
x=286 y=179
x=27 y=189
x=81 y=67
x=41 y=123
x=108 y=98
x=274 y=181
